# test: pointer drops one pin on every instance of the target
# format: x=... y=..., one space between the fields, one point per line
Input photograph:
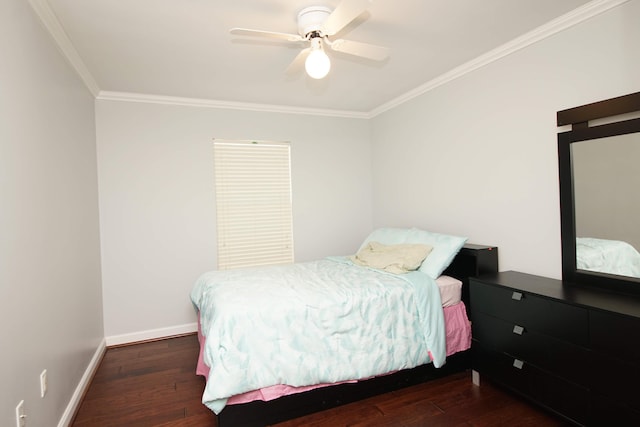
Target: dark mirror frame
x=581 y=130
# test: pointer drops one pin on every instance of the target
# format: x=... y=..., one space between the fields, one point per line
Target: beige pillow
x=392 y=258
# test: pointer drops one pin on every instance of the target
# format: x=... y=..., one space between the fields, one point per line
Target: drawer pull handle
x=518 y=363
x=518 y=330
x=516 y=296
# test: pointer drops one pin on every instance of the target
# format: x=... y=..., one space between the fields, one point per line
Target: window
x=253 y=201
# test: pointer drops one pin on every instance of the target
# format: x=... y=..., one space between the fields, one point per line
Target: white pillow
x=386 y=236
x=445 y=249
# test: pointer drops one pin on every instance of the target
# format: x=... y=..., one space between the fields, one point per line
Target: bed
x=354 y=331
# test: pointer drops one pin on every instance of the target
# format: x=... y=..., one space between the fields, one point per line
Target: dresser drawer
x=615 y=334
x=559 y=357
x=608 y=412
x=564 y=397
x=535 y=313
x=617 y=379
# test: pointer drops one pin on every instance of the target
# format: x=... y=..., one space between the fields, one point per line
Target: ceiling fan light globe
x=317 y=64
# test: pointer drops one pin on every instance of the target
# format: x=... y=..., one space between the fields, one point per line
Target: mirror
x=605 y=176
x=599 y=161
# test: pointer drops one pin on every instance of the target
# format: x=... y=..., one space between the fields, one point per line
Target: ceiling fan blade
x=268 y=34
x=364 y=50
x=343 y=14
x=298 y=62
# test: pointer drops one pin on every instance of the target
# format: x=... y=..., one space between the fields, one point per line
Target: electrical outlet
x=21 y=418
x=43 y=383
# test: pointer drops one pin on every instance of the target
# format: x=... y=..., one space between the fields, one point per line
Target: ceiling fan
x=316 y=27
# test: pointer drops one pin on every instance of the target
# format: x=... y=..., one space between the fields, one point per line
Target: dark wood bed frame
x=471 y=261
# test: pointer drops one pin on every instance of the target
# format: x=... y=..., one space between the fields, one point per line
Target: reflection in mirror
x=606 y=180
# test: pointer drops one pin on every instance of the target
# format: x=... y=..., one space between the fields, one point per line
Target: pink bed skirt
x=458 y=331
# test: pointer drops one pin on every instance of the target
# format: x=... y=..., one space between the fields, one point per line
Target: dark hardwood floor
x=154 y=384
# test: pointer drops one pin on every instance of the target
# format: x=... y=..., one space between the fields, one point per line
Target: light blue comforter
x=317 y=322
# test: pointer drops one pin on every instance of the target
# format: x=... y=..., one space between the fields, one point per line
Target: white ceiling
x=183 y=49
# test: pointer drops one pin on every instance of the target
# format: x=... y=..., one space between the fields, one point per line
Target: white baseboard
x=83 y=385
x=151 y=334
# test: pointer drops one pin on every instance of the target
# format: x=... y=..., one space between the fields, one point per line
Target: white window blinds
x=253 y=200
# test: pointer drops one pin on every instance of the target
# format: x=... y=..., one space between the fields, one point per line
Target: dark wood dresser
x=572 y=350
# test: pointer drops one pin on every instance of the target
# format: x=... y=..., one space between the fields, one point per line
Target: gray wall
x=478 y=155
x=157 y=201
x=50 y=291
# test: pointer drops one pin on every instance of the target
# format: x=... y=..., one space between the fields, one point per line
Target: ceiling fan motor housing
x=310 y=19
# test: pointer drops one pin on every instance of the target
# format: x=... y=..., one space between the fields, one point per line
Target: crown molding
x=53 y=25
x=227 y=105
x=561 y=23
